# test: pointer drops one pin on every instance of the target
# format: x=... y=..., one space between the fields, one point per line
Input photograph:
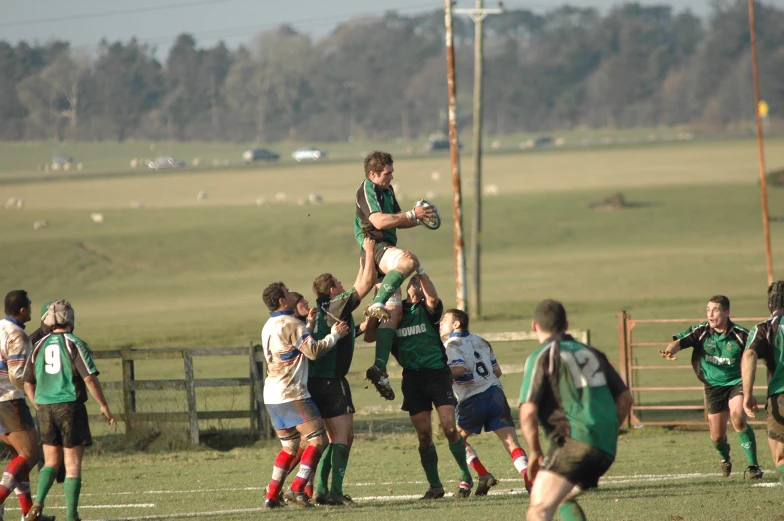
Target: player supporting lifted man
x=718 y=345
x=327 y=382
x=767 y=342
x=427 y=381
x=580 y=400
x=481 y=399
x=378 y=216
x=287 y=347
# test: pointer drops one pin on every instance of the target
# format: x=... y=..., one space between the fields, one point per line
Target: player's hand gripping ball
x=434 y=221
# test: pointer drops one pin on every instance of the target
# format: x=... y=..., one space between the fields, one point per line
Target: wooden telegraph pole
x=760 y=145
x=457 y=196
x=478 y=15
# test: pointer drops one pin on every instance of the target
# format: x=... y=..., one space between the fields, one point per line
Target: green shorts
x=580 y=463
x=775 y=409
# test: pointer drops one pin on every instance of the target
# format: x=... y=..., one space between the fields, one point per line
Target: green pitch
x=182 y=272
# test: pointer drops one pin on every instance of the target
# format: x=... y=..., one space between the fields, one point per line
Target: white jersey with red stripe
x=14 y=350
x=476 y=356
x=287 y=347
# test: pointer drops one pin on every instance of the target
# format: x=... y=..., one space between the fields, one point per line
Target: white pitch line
x=767 y=485
x=187 y=514
x=95 y=507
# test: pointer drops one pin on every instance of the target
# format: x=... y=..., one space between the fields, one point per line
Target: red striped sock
x=310 y=460
x=296 y=460
x=23 y=494
x=473 y=459
x=279 y=472
x=520 y=461
x=12 y=475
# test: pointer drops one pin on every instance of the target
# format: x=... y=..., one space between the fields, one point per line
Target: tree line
x=385 y=77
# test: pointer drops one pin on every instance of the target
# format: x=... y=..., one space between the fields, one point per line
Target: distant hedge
x=775 y=178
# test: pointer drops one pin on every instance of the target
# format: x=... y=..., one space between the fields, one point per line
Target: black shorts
x=378 y=252
x=332 y=396
x=15 y=416
x=775 y=409
x=425 y=388
x=64 y=424
x=580 y=463
x=717 y=398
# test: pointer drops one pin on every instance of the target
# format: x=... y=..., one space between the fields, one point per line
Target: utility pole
x=457 y=195
x=478 y=14
x=760 y=145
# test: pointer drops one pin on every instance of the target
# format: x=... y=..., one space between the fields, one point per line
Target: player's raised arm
x=669 y=352
x=431 y=295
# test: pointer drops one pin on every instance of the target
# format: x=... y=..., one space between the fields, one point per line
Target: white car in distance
x=308 y=154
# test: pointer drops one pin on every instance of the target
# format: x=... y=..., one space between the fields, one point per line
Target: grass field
x=182 y=272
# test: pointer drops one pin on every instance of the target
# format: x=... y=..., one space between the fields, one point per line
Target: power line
x=111 y=13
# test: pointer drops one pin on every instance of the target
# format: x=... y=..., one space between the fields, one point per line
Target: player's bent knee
x=317 y=437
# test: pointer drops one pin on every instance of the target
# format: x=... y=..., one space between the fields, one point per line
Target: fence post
x=257 y=373
x=254 y=423
x=622 y=348
x=190 y=389
x=129 y=395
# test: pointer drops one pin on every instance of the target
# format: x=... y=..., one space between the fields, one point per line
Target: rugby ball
x=434 y=222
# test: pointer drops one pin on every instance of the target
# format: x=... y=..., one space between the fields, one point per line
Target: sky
x=158 y=22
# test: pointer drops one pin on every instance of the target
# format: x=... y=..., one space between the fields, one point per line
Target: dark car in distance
x=259 y=154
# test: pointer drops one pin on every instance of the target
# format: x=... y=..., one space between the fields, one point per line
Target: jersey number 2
x=585 y=369
x=52 y=359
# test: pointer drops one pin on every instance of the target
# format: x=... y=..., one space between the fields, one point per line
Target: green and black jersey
x=767 y=340
x=417 y=344
x=716 y=356
x=574 y=386
x=337 y=361
x=57 y=366
x=371 y=199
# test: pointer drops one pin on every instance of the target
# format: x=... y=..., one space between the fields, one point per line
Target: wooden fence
x=256 y=413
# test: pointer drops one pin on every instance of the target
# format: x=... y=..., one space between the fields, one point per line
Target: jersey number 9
x=52 y=359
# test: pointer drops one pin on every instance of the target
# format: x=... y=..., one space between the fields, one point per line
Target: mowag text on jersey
x=410 y=330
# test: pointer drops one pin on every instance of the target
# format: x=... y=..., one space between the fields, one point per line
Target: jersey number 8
x=52 y=359
x=585 y=369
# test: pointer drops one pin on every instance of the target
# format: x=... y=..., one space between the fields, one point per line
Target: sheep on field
x=201 y=195
x=315 y=198
x=136 y=205
x=37 y=225
x=260 y=201
x=280 y=196
x=96 y=217
x=491 y=190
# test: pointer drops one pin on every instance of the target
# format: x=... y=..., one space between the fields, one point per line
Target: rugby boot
x=320 y=499
x=35 y=512
x=752 y=472
x=377 y=310
x=485 y=482
x=381 y=381
x=272 y=503
x=464 y=489
x=337 y=499
x=434 y=493
x=298 y=498
x=726 y=468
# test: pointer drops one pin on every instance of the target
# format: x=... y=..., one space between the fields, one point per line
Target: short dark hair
x=297 y=296
x=722 y=301
x=322 y=284
x=776 y=296
x=376 y=161
x=460 y=316
x=272 y=295
x=550 y=316
x=15 y=301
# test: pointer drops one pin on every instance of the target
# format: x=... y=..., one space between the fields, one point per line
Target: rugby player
x=16 y=423
x=57 y=376
x=288 y=347
x=766 y=341
x=718 y=345
x=327 y=382
x=427 y=381
x=480 y=395
x=574 y=393
x=378 y=216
